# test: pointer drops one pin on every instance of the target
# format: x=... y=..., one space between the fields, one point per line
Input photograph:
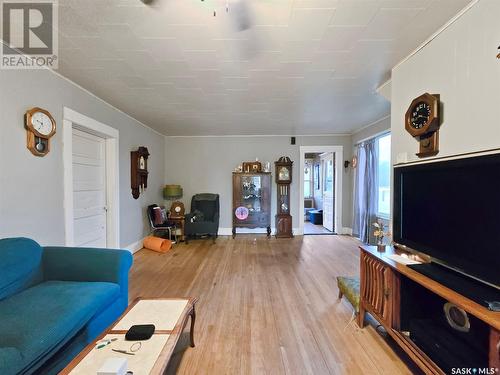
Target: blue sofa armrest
x=87 y=264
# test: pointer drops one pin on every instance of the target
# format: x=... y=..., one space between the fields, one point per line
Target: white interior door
x=327 y=162
x=89 y=189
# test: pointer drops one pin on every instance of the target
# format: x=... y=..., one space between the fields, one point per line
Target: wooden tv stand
x=380 y=295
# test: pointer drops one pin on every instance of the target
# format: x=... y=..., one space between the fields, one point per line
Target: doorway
x=91 y=187
x=320 y=189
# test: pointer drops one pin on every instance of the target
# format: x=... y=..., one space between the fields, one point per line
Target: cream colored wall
x=31 y=188
x=460 y=64
x=205 y=164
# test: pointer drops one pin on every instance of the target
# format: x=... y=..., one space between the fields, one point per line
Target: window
x=308 y=180
x=384 y=176
x=328 y=168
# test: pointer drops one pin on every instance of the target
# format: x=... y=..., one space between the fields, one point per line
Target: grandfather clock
x=283 y=181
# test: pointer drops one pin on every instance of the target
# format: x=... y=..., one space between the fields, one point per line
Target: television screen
x=450 y=210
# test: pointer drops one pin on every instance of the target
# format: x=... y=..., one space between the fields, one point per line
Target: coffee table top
x=169 y=315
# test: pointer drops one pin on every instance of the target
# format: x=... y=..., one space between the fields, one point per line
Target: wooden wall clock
x=422 y=121
x=177 y=209
x=139 y=171
x=283 y=181
x=40 y=127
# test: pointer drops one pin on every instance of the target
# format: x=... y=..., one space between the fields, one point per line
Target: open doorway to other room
x=320 y=189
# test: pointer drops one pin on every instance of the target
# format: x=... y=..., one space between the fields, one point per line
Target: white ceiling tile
x=202 y=60
x=134 y=81
x=235 y=83
x=298 y=50
x=293 y=69
x=307 y=24
x=179 y=68
x=354 y=14
x=326 y=60
x=405 y=3
x=340 y=38
x=305 y=66
x=388 y=22
x=138 y=59
x=271 y=13
x=163 y=49
x=233 y=68
x=119 y=36
x=326 y=4
x=262 y=76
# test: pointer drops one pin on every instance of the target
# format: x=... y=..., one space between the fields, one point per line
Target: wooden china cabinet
x=252 y=201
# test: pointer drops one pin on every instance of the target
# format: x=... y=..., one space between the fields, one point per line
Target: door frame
x=74 y=120
x=324 y=157
x=339 y=157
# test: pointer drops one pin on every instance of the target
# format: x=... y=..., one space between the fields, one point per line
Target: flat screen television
x=450 y=210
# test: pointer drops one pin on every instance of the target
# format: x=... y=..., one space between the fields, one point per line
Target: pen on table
x=105 y=343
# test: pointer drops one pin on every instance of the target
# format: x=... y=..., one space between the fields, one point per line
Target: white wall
x=205 y=164
x=31 y=188
x=459 y=64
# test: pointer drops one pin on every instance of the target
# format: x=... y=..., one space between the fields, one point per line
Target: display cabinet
x=252 y=201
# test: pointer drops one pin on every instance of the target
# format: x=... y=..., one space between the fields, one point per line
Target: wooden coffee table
x=169 y=315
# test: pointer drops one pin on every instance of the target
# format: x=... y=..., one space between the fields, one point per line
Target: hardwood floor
x=267 y=306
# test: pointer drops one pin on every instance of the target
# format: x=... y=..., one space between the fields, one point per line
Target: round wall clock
x=422 y=121
x=40 y=127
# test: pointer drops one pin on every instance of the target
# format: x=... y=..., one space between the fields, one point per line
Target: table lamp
x=171 y=192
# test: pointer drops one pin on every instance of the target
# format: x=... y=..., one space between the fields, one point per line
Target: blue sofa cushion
x=39 y=320
x=20 y=267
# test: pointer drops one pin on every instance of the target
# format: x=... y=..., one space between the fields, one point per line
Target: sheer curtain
x=365 y=190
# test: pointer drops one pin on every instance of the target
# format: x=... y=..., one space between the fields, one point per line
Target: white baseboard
x=136 y=246
x=229 y=231
x=347 y=230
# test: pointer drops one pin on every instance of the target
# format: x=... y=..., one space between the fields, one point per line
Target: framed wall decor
x=139 y=171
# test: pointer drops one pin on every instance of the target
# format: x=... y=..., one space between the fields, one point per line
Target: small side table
x=179 y=223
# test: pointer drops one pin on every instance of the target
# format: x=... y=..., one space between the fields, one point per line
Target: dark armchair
x=204 y=216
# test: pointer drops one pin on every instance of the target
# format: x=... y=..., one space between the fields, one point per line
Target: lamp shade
x=172 y=191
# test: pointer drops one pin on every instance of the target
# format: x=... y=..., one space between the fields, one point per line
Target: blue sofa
x=54 y=301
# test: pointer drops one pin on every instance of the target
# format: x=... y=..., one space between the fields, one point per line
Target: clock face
x=420 y=115
x=142 y=163
x=41 y=123
x=284 y=174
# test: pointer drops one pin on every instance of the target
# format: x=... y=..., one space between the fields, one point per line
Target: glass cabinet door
x=251 y=191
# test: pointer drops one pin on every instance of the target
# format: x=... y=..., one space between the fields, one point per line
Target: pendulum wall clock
x=283 y=181
x=422 y=121
x=40 y=127
x=139 y=171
